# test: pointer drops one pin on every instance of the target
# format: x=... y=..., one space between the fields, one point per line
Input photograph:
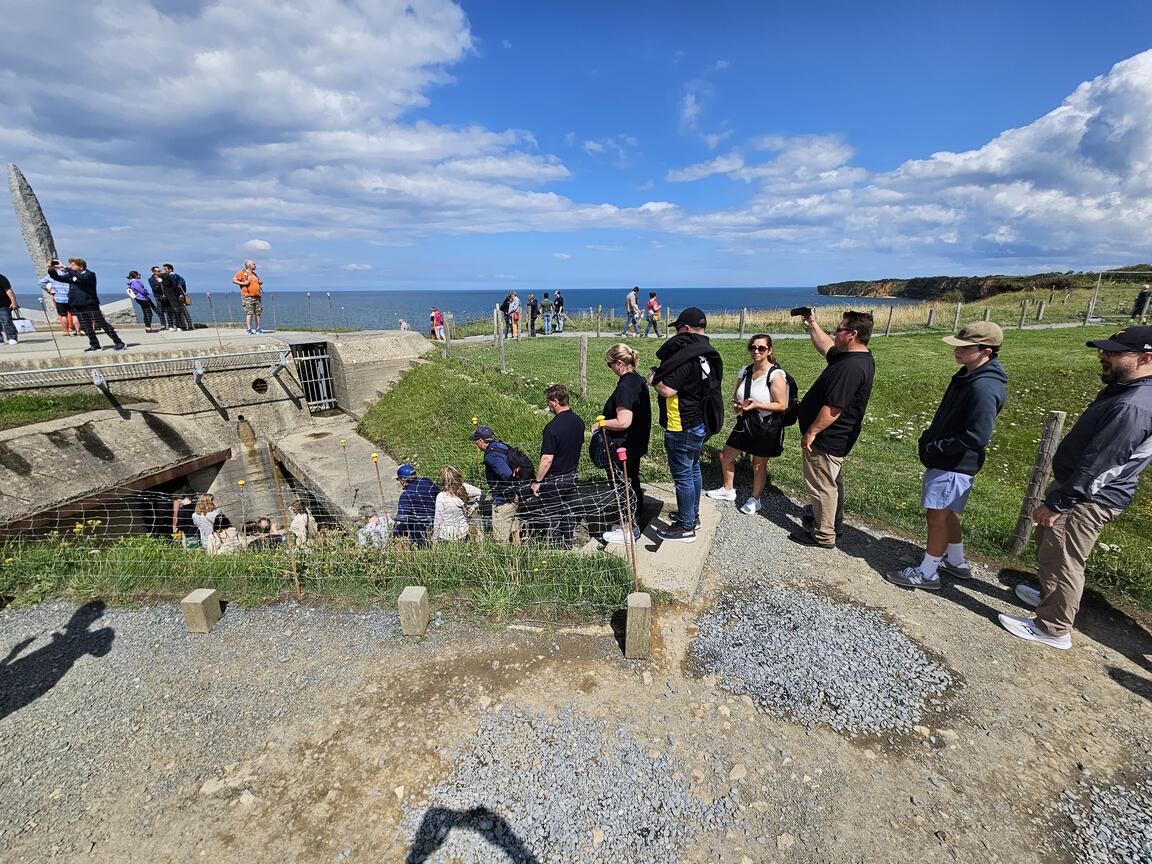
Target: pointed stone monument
x=33 y=225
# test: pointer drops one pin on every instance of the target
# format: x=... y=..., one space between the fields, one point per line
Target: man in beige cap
x=952 y=452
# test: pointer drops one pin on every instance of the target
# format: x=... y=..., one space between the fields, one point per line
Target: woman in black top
x=628 y=421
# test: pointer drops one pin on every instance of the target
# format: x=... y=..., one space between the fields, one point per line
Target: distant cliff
x=971 y=288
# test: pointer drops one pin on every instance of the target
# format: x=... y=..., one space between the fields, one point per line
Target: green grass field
x=20 y=409
x=428 y=416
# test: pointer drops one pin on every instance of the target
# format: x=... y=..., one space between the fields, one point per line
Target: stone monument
x=33 y=225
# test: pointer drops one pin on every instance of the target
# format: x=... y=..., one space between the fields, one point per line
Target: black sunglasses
x=757 y=348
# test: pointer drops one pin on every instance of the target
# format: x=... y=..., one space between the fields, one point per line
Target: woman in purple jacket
x=138 y=291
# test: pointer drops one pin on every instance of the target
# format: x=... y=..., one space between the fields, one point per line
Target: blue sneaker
x=259 y=329
x=250 y=331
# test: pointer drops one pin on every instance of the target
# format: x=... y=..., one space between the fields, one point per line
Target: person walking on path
x=762 y=388
x=546 y=314
x=830 y=416
x=533 y=314
x=514 y=314
x=559 y=304
x=251 y=294
x=436 y=319
x=138 y=291
x=1095 y=472
x=58 y=296
x=503 y=485
x=652 y=315
x=560 y=449
x=505 y=305
x=9 y=309
x=1138 y=304
x=627 y=422
x=952 y=452
x=85 y=302
x=179 y=298
x=417 y=506
x=632 y=309
x=160 y=294
x=681 y=381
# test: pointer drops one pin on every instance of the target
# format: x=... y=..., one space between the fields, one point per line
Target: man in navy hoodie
x=952 y=452
x=1095 y=472
x=83 y=300
x=416 y=508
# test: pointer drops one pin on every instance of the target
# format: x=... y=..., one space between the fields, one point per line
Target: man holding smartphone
x=830 y=416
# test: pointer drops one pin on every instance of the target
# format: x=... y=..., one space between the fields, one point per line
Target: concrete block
x=413 y=610
x=638 y=627
x=202 y=610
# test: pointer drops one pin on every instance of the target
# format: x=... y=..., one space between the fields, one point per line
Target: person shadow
x=439 y=822
x=25 y=679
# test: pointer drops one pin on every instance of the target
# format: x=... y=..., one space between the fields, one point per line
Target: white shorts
x=945 y=490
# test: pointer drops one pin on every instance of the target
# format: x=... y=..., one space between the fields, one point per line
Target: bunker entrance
x=314 y=371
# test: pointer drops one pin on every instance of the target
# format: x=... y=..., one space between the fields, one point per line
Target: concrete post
x=201 y=610
x=638 y=627
x=413 y=605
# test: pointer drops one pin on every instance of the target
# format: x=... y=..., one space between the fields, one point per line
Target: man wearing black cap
x=952 y=452
x=1095 y=472
x=689 y=366
x=502 y=483
x=830 y=416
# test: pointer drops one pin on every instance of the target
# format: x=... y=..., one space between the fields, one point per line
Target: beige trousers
x=505 y=525
x=1061 y=552
x=826 y=488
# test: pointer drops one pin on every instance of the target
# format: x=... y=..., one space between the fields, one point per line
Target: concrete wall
x=364 y=366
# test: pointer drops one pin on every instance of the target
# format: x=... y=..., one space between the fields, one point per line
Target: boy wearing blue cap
x=417 y=507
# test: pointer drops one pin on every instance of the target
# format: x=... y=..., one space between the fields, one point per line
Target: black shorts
x=768 y=445
x=61 y=309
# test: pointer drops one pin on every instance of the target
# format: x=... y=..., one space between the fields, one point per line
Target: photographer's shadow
x=25 y=679
x=439 y=822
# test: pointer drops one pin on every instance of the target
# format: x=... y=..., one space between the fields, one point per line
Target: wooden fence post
x=448 y=334
x=931 y=315
x=668 y=319
x=496 y=316
x=1023 y=314
x=503 y=363
x=743 y=314
x=956 y=318
x=987 y=313
x=1040 y=311
x=888 y=326
x=599 y=316
x=1053 y=426
x=583 y=367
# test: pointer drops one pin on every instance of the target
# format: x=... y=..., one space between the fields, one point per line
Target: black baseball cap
x=1128 y=339
x=690 y=317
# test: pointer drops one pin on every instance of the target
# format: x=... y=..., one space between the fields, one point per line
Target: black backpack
x=523 y=468
x=789 y=415
x=712 y=402
x=504 y=305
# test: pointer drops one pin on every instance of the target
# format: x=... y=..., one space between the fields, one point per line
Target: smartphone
x=801 y=312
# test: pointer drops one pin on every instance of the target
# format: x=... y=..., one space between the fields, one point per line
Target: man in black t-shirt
x=830 y=416
x=555 y=483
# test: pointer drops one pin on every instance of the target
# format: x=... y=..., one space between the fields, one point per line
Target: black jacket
x=1101 y=459
x=81 y=286
x=958 y=434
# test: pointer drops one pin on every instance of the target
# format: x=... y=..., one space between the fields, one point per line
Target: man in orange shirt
x=250 y=291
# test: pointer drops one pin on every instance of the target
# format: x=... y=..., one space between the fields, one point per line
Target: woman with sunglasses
x=767 y=395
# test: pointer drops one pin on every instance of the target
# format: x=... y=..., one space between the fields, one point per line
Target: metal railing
x=102 y=373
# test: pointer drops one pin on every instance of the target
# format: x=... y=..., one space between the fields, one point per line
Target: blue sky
x=507 y=144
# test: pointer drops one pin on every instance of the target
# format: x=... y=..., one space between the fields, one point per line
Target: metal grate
x=314 y=370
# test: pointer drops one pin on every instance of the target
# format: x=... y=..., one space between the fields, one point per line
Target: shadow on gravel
x=439 y=822
x=25 y=679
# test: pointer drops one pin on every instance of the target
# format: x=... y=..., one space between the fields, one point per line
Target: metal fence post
x=447 y=334
x=1053 y=425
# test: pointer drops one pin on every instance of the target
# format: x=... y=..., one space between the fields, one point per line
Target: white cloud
x=619 y=148
x=358 y=267
x=722 y=64
x=257 y=246
x=561 y=256
x=720 y=165
x=507 y=43
x=715 y=139
x=689 y=111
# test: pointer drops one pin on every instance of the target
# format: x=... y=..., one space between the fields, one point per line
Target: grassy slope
x=21 y=409
x=428 y=418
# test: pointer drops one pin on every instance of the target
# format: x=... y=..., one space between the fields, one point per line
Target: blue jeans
x=652 y=324
x=547 y=316
x=559 y=322
x=684 y=450
x=633 y=322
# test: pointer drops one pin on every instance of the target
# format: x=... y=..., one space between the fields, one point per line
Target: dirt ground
x=979 y=784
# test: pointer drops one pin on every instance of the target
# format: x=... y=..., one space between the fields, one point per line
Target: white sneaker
x=619 y=537
x=721 y=494
x=750 y=507
x=1028 y=595
x=1025 y=628
x=12 y=342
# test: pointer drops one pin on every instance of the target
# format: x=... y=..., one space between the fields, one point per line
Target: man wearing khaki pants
x=830 y=416
x=1095 y=469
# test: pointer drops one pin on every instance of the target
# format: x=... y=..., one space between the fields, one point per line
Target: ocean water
x=371 y=310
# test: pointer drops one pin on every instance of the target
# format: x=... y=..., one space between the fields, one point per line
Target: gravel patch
x=534 y=788
x=815 y=660
x=1113 y=823
x=128 y=702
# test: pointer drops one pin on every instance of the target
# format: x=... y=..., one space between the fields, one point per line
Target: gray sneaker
x=960 y=571
x=911 y=577
x=1028 y=595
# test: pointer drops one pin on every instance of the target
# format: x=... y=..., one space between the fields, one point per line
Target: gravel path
x=542 y=789
x=1113 y=823
x=136 y=675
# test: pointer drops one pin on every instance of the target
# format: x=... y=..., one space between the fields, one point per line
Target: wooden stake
x=1053 y=426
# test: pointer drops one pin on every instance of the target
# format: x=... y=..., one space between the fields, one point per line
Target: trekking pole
x=629 y=537
x=611 y=470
